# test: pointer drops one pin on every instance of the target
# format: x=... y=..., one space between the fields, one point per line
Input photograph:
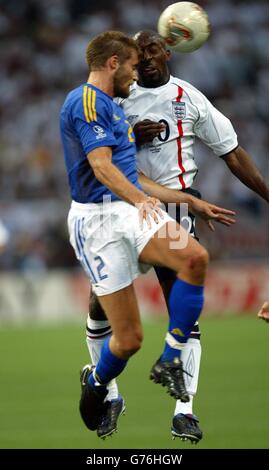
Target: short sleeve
x=214 y=129
x=93 y=122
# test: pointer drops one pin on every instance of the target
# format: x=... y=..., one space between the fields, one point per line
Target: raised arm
x=242 y=166
x=203 y=209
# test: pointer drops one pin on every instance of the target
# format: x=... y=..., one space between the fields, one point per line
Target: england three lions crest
x=179 y=110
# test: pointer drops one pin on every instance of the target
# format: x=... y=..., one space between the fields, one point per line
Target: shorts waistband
x=86 y=207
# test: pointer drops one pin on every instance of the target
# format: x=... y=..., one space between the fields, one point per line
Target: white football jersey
x=186 y=112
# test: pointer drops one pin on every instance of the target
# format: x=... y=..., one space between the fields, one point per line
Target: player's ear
x=113 y=62
x=168 y=54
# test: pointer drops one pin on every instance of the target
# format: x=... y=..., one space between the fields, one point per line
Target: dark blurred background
x=42 y=49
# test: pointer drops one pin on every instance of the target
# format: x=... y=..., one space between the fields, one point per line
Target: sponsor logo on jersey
x=179 y=110
x=99 y=131
x=153 y=148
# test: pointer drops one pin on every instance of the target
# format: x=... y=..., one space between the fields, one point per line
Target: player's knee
x=197 y=265
x=130 y=344
x=198 y=262
x=96 y=312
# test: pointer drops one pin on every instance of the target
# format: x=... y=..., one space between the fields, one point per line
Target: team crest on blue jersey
x=179 y=110
x=99 y=131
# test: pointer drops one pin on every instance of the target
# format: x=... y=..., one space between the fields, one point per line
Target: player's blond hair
x=107 y=44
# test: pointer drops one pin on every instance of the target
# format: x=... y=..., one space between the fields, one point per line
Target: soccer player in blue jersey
x=117 y=231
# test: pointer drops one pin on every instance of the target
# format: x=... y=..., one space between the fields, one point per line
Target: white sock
x=97 y=331
x=184 y=408
x=191 y=358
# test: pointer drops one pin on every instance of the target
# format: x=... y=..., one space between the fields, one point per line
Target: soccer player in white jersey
x=167 y=114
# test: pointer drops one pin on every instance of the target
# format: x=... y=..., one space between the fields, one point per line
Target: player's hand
x=264 y=312
x=149 y=209
x=145 y=131
x=209 y=212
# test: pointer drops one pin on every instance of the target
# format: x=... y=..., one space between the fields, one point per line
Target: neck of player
x=149 y=83
x=102 y=80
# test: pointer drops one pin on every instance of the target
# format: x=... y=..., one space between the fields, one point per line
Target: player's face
x=125 y=76
x=152 y=67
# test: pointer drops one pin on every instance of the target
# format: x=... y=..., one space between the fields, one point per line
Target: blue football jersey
x=90 y=119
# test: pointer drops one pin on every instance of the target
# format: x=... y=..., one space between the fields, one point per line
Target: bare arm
x=203 y=209
x=110 y=176
x=246 y=171
x=165 y=195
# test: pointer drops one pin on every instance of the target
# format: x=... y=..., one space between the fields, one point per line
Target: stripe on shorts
x=82 y=255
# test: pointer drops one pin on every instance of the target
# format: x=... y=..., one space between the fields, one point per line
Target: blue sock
x=185 y=305
x=108 y=367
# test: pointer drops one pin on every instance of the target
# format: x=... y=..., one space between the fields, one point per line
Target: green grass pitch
x=39 y=389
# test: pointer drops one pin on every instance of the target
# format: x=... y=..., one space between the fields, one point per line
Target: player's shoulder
x=190 y=91
x=71 y=99
x=86 y=101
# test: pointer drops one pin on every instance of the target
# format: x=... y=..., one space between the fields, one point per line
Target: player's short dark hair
x=152 y=34
x=107 y=44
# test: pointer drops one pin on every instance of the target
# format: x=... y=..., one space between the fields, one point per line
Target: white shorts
x=108 y=239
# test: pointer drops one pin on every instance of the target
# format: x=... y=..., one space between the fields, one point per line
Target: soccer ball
x=184 y=26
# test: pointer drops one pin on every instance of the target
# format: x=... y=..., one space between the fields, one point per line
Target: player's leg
x=190 y=264
x=98 y=329
x=185 y=422
x=122 y=312
x=111 y=266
